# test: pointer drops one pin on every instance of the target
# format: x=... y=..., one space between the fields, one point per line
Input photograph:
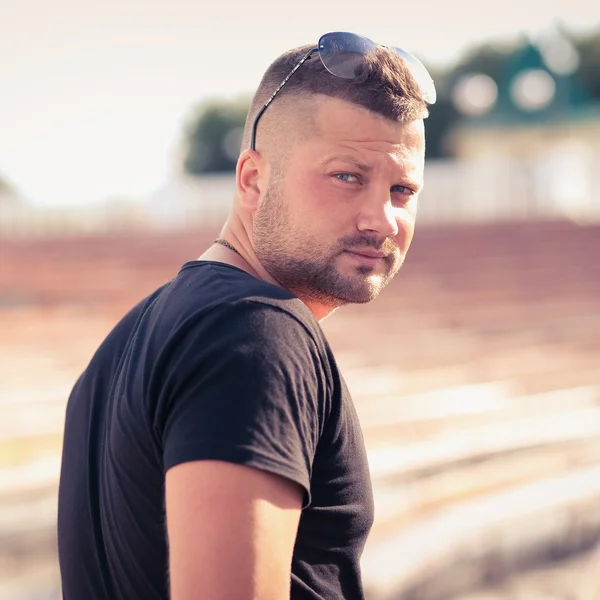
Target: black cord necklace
x=226 y=244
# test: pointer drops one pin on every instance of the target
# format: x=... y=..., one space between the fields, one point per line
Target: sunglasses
x=342 y=54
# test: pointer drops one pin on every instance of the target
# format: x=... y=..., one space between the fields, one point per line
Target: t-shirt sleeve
x=247 y=386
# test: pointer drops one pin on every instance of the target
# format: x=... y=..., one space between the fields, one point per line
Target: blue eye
x=347 y=177
x=402 y=189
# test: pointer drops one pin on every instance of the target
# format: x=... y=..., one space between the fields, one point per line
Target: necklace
x=226 y=244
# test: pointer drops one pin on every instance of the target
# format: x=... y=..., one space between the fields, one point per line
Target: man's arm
x=231 y=531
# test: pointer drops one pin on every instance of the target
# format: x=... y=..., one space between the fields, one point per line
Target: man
x=211 y=447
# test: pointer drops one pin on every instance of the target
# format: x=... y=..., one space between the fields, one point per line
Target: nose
x=378 y=215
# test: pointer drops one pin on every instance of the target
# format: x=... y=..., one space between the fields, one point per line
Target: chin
x=360 y=287
x=359 y=294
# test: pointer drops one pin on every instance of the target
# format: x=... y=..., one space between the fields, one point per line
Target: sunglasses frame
x=403 y=53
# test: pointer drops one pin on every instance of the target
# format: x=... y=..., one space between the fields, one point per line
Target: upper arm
x=231 y=531
x=246 y=388
x=239 y=423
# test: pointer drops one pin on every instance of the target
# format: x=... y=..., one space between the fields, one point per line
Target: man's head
x=330 y=194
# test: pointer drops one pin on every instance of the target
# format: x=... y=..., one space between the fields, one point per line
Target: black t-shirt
x=218 y=365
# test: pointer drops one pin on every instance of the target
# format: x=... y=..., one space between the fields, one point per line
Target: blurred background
x=476 y=373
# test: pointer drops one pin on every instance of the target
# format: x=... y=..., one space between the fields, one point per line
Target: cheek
x=405 y=220
x=311 y=204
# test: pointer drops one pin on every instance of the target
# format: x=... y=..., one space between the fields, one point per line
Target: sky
x=94 y=95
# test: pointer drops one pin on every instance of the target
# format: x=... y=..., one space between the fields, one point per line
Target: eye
x=347 y=177
x=402 y=189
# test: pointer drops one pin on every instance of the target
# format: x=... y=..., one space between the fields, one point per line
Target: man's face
x=337 y=219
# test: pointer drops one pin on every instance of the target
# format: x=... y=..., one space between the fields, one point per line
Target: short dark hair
x=386 y=86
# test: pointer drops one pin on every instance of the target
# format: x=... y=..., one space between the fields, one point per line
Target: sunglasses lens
x=420 y=74
x=342 y=54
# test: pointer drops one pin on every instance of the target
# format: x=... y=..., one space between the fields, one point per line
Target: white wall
x=559 y=184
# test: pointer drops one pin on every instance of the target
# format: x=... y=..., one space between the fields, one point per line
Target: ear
x=249 y=176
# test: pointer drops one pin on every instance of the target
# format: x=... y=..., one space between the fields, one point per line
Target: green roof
x=569 y=103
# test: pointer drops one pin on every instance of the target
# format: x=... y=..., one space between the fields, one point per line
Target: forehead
x=343 y=126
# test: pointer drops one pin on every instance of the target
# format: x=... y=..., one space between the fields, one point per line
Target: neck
x=235 y=233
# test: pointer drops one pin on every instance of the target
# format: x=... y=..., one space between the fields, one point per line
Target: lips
x=369 y=252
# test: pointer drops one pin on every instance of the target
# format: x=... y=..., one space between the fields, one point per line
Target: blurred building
x=533 y=136
x=186 y=199
x=538 y=105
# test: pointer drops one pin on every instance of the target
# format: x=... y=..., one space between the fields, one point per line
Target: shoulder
x=272 y=317
x=261 y=327
x=216 y=298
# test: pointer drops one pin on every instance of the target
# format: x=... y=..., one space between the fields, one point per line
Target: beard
x=306 y=266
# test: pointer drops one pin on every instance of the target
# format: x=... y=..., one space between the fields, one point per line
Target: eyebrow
x=366 y=168
x=349 y=159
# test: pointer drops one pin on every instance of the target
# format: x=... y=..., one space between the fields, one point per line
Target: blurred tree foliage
x=489 y=59
x=214 y=132
x=440 y=119
x=5 y=186
x=589 y=68
x=213 y=135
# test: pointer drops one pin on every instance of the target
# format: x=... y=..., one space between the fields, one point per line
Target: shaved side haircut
x=386 y=87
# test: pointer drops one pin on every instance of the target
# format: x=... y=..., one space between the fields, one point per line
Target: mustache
x=362 y=240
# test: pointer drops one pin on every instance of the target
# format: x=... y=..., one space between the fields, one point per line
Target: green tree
x=4 y=185
x=213 y=136
x=8 y=195
x=589 y=60
x=441 y=117
x=489 y=59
